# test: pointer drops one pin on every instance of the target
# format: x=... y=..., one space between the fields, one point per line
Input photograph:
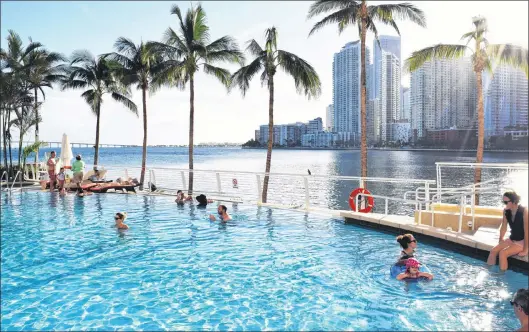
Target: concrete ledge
x=466 y=244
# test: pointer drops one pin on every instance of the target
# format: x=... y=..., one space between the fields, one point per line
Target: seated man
x=222 y=210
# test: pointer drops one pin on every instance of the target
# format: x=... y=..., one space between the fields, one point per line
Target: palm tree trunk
x=144 y=151
x=270 y=136
x=481 y=131
x=96 y=146
x=363 y=123
x=191 y=130
x=20 y=136
x=4 y=136
x=36 y=126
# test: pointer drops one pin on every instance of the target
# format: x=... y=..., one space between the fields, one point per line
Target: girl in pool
x=120 y=219
x=412 y=271
x=408 y=244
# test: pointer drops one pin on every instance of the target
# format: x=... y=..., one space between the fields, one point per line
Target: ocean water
x=64 y=267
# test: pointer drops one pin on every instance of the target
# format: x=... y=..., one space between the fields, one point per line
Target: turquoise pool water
x=65 y=267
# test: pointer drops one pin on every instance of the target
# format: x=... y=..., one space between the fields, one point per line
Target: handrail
x=483 y=165
x=7 y=179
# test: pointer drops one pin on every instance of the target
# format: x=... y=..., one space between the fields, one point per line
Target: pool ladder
x=8 y=189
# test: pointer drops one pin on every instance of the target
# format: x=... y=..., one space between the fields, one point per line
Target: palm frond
x=125 y=101
x=81 y=57
x=74 y=84
x=200 y=27
x=387 y=14
x=223 y=75
x=508 y=54
x=171 y=38
x=126 y=47
x=242 y=77
x=254 y=48
x=305 y=77
x=439 y=51
x=271 y=39
x=90 y=96
x=343 y=17
x=325 y=6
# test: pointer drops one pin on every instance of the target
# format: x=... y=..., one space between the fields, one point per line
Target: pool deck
x=477 y=244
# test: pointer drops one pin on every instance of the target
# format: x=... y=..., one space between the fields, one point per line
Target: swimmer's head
x=78 y=157
x=120 y=217
x=412 y=265
x=407 y=240
x=520 y=302
x=221 y=209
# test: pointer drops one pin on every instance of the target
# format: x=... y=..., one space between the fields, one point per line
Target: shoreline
x=384 y=149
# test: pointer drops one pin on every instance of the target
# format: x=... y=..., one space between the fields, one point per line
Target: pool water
x=65 y=267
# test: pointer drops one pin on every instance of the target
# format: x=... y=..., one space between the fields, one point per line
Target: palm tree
x=269 y=59
x=484 y=56
x=187 y=50
x=43 y=68
x=98 y=77
x=350 y=12
x=137 y=63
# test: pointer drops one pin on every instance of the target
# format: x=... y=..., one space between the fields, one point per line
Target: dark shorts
x=53 y=176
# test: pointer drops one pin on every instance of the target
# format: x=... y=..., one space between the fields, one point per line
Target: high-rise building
x=346 y=88
x=263 y=134
x=389 y=44
x=257 y=136
x=389 y=94
x=329 y=118
x=373 y=122
x=506 y=101
x=405 y=113
x=315 y=126
x=442 y=96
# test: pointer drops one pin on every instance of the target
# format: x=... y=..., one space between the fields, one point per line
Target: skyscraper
x=405 y=113
x=329 y=118
x=443 y=96
x=389 y=44
x=506 y=101
x=389 y=94
x=346 y=88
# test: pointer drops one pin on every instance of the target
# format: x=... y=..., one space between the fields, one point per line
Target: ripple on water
x=65 y=267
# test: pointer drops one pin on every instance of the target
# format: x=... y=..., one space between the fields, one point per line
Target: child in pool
x=412 y=271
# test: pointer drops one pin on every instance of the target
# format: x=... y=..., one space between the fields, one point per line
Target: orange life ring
x=370 y=200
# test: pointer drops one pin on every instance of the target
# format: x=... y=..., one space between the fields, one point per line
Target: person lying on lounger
x=97 y=177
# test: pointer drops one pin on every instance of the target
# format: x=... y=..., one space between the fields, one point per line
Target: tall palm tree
x=43 y=68
x=350 y=12
x=269 y=59
x=137 y=65
x=185 y=52
x=99 y=76
x=484 y=56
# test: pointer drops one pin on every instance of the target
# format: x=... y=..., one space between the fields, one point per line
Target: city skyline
x=67 y=112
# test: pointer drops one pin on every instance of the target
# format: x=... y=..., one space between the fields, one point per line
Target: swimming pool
x=65 y=267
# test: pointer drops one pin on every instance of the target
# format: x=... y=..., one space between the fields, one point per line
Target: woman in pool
x=515 y=215
x=412 y=271
x=408 y=244
x=120 y=219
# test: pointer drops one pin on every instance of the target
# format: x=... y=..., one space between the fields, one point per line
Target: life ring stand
x=370 y=200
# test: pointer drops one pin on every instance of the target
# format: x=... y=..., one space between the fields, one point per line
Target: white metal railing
x=9 y=189
x=507 y=167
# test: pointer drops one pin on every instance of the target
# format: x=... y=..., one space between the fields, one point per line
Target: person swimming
x=119 y=218
x=408 y=244
x=82 y=193
x=412 y=271
x=181 y=198
x=222 y=210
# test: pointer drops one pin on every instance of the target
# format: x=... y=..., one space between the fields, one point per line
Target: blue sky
x=221 y=117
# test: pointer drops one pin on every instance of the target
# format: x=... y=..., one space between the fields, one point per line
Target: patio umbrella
x=66 y=151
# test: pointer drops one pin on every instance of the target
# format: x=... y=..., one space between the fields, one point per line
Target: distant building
x=516 y=132
x=263 y=134
x=389 y=94
x=405 y=113
x=329 y=118
x=451 y=136
x=373 y=122
x=442 y=96
x=506 y=100
x=401 y=131
x=257 y=136
x=321 y=139
x=389 y=44
x=346 y=87
x=315 y=126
